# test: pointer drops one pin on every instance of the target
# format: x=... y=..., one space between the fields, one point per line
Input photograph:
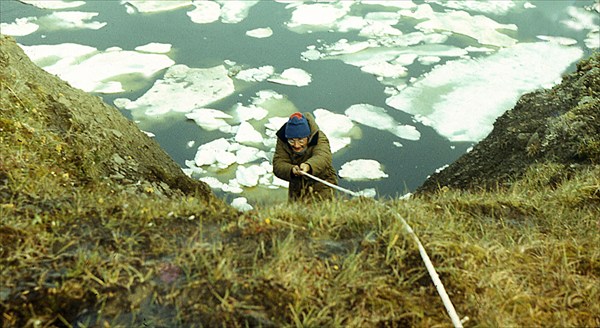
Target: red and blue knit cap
x=297 y=127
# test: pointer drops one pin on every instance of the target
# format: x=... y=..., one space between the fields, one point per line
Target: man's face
x=298 y=144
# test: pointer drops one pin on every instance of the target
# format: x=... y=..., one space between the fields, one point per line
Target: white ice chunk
x=151 y=6
x=233 y=187
x=481 y=28
x=21 y=27
x=362 y=169
x=192 y=169
x=292 y=76
x=260 y=33
x=255 y=74
x=247 y=154
x=277 y=182
x=241 y=204
x=155 y=47
x=462 y=99
x=55 y=4
x=209 y=119
x=205 y=12
x=246 y=113
x=487 y=7
x=212 y=182
x=429 y=60
x=369 y=193
x=276 y=122
x=319 y=16
x=385 y=69
x=87 y=68
x=248 y=176
x=235 y=11
x=215 y=153
x=378 y=118
x=592 y=41
x=407 y=132
x=401 y=4
x=71 y=20
x=247 y=134
x=337 y=127
x=581 y=19
x=184 y=89
x=558 y=40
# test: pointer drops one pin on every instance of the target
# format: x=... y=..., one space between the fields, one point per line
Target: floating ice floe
x=241 y=204
x=92 y=70
x=155 y=47
x=233 y=12
x=229 y=12
x=362 y=169
x=462 y=99
x=54 y=4
x=21 y=27
x=56 y=21
x=558 y=40
x=248 y=176
x=292 y=76
x=481 y=28
x=210 y=119
x=152 y=6
x=593 y=39
x=247 y=134
x=260 y=33
x=378 y=118
x=337 y=127
x=222 y=153
x=246 y=113
x=206 y=12
x=255 y=74
x=581 y=19
x=70 y=20
x=389 y=60
x=182 y=89
x=232 y=186
x=215 y=153
x=487 y=7
x=318 y=17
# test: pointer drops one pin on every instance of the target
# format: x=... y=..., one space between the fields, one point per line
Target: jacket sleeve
x=321 y=158
x=282 y=164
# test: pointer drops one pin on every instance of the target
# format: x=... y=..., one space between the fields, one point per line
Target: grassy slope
x=93 y=252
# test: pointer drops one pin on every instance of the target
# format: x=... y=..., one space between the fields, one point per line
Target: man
x=302 y=147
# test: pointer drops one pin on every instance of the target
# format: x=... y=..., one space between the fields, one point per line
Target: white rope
x=428 y=264
x=350 y=192
x=434 y=276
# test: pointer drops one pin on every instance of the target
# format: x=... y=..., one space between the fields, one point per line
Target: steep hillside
x=97 y=139
x=560 y=125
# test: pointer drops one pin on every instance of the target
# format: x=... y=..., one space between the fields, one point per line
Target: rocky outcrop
x=559 y=125
x=107 y=145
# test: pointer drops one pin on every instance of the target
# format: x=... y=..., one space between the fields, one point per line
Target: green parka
x=317 y=155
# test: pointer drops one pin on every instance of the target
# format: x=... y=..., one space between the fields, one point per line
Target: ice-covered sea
x=402 y=88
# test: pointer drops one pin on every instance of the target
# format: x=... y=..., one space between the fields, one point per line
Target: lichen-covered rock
x=559 y=126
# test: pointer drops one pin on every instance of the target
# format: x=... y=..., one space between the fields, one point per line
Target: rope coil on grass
x=428 y=264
